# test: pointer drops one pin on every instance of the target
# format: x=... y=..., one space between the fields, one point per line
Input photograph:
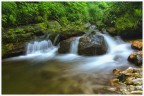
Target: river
x=43 y=71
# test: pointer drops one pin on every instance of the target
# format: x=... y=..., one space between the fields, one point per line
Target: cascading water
x=41 y=46
x=74 y=45
x=110 y=42
x=118 y=52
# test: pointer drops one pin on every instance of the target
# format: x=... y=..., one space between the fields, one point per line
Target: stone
x=136 y=58
x=65 y=45
x=114 y=82
x=137 y=45
x=89 y=45
x=129 y=81
x=131 y=88
x=132 y=83
x=92 y=45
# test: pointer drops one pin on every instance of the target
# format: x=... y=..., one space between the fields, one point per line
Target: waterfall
x=74 y=45
x=41 y=46
x=110 y=42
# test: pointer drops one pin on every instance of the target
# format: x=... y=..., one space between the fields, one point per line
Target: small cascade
x=55 y=40
x=118 y=52
x=74 y=45
x=41 y=46
x=110 y=42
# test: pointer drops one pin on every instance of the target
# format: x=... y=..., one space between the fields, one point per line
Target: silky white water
x=74 y=45
x=39 y=46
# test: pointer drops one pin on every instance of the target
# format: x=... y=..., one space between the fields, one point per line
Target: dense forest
x=123 y=16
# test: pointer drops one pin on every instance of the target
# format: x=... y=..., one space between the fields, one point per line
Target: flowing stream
x=43 y=71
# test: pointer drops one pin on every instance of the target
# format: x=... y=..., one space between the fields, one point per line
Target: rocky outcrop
x=128 y=81
x=92 y=45
x=137 y=45
x=136 y=58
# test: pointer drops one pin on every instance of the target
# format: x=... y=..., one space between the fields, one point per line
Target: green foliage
x=125 y=15
x=9 y=11
x=121 y=15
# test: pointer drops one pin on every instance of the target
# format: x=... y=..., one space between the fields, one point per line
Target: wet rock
x=114 y=82
x=131 y=88
x=65 y=45
x=136 y=58
x=92 y=45
x=128 y=81
x=89 y=45
x=132 y=83
x=137 y=45
x=122 y=77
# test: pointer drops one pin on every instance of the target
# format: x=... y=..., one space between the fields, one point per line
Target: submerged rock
x=136 y=58
x=92 y=45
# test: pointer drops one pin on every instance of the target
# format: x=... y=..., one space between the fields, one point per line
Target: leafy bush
x=121 y=15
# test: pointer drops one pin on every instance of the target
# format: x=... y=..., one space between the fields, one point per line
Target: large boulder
x=136 y=58
x=92 y=45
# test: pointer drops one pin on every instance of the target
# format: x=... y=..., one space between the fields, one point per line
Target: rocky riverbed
x=129 y=81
